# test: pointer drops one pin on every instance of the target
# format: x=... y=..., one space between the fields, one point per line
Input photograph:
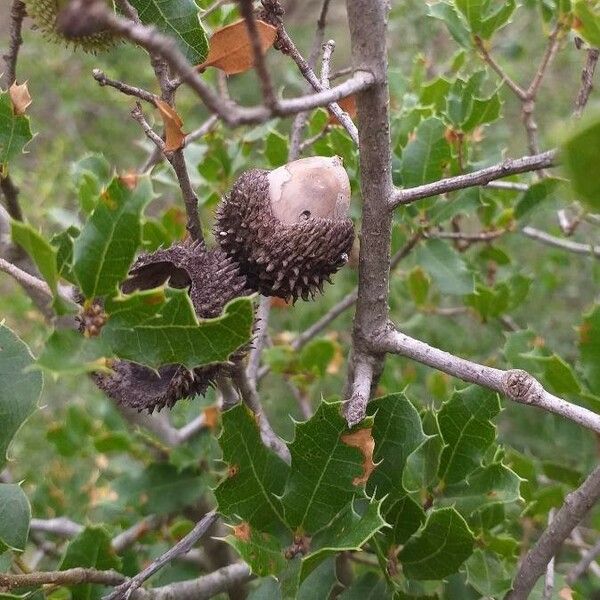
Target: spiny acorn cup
x=213 y=280
x=288 y=229
x=44 y=14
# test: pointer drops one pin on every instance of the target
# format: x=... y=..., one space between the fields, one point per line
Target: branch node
x=522 y=387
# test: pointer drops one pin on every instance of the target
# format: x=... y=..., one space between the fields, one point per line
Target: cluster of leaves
x=423 y=487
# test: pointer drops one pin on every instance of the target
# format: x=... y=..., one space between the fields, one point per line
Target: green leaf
x=434 y=93
x=255 y=475
x=63 y=242
x=405 y=516
x=489 y=302
x=68 y=352
x=424 y=158
x=456 y=26
x=446 y=267
x=15 y=132
x=442 y=544
x=316 y=356
x=483 y=112
x=160 y=488
x=369 y=586
x=589 y=347
x=558 y=374
x=488 y=575
x=423 y=464
x=418 y=285
x=91 y=548
x=106 y=246
x=322 y=473
x=494 y=484
x=43 y=255
x=276 y=149
x=159 y=327
x=467 y=431
x=589 y=22
x=21 y=387
x=485 y=17
x=178 y=20
x=397 y=432
x=263 y=552
x=535 y=195
x=15 y=514
x=90 y=175
x=579 y=155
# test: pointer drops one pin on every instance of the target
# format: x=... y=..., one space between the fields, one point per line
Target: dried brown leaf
x=231 y=48
x=174 y=136
x=211 y=417
x=20 y=97
x=130 y=179
x=363 y=440
x=348 y=105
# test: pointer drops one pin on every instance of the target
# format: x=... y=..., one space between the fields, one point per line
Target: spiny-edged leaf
x=319 y=582
x=160 y=488
x=535 y=195
x=20 y=387
x=438 y=549
x=178 y=20
x=63 y=242
x=460 y=98
x=106 y=246
x=67 y=352
x=43 y=255
x=446 y=267
x=324 y=468
x=262 y=551
x=91 y=548
x=15 y=132
x=485 y=17
x=495 y=483
x=467 y=431
x=370 y=586
x=558 y=374
x=397 y=432
x=454 y=22
x=348 y=531
x=589 y=347
x=424 y=158
x=405 y=516
x=487 y=574
x=433 y=93
x=231 y=48
x=483 y=112
x=255 y=475
x=423 y=464
x=174 y=136
x=580 y=158
x=588 y=22
x=160 y=327
x=15 y=514
x=90 y=175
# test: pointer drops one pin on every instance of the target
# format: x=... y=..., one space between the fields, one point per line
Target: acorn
x=44 y=14
x=213 y=280
x=288 y=229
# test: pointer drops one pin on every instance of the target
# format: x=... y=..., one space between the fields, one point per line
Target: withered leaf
x=363 y=440
x=20 y=98
x=174 y=136
x=231 y=48
x=348 y=105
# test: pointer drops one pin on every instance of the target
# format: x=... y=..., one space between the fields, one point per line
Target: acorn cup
x=288 y=229
x=213 y=280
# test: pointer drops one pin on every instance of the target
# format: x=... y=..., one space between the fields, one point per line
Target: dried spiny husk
x=44 y=14
x=288 y=229
x=213 y=280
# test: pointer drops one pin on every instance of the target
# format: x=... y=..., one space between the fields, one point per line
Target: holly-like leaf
x=160 y=327
x=21 y=387
x=587 y=23
x=90 y=175
x=483 y=112
x=231 y=48
x=446 y=12
x=485 y=17
x=467 y=431
x=535 y=195
x=178 y=20
x=423 y=464
x=405 y=516
x=15 y=514
x=15 y=132
x=424 y=158
x=91 y=548
x=105 y=248
x=369 y=586
x=494 y=484
x=487 y=574
x=579 y=156
x=255 y=476
x=43 y=255
x=438 y=549
x=323 y=471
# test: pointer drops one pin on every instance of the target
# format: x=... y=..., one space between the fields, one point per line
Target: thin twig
x=11 y=195
x=555 y=242
x=124 y=88
x=574 y=509
x=9 y=581
x=125 y=590
x=515 y=384
x=587 y=80
x=328 y=48
x=17 y=14
x=587 y=559
x=508 y=185
x=549 y=577
x=482 y=177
